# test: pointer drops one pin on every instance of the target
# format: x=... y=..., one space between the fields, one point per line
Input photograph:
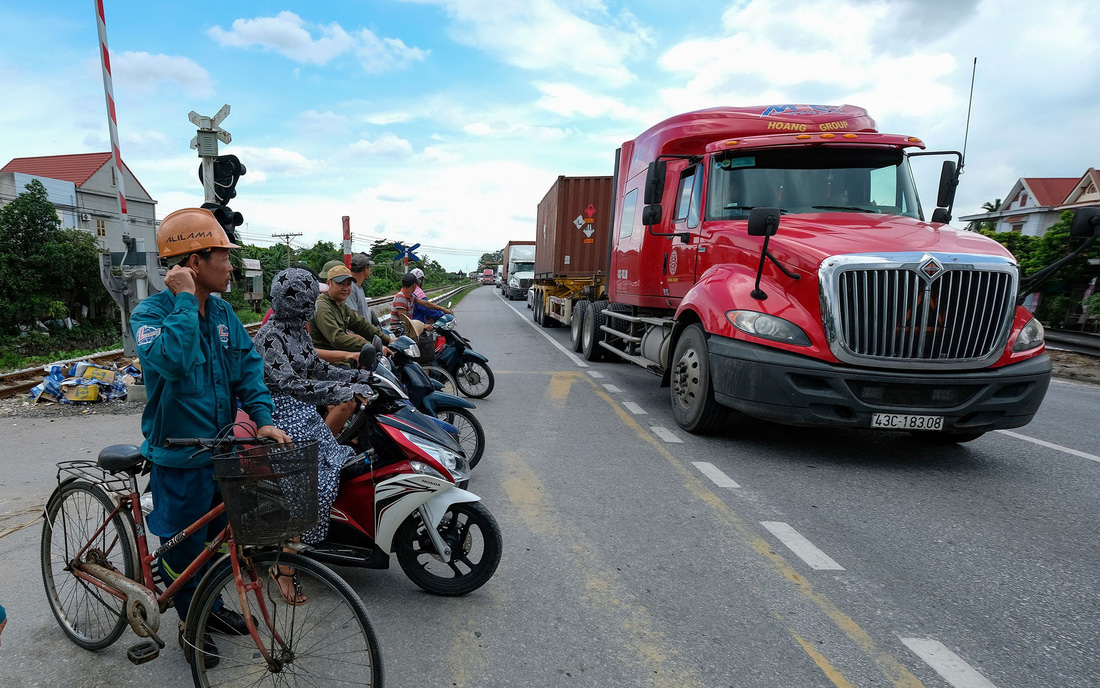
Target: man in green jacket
x=197 y=362
x=336 y=326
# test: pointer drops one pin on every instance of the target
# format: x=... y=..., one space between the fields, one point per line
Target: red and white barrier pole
x=347 y=241
x=112 y=120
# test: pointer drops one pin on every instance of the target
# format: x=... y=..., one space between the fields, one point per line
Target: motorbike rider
x=424 y=310
x=299 y=382
x=335 y=326
x=198 y=363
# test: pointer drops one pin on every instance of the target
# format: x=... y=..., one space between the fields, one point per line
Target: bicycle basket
x=270 y=491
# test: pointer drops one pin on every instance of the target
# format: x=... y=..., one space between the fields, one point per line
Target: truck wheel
x=534 y=306
x=591 y=333
x=544 y=318
x=616 y=324
x=579 y=309
x=693 y=404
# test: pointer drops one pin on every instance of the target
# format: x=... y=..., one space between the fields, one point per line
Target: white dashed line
x=596 y=374
x=716 y=476
x=613 y=389
x=1051 y=445
x=538 y=328
x=665 y=434
x=947 y=664
x=803 y=548
x=634 y=408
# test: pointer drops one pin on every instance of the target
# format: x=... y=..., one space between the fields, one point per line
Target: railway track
x=21 y=381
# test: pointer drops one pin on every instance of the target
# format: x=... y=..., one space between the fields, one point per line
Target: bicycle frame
x=164 y=599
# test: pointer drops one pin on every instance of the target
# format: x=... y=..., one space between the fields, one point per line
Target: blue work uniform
x=195 y=368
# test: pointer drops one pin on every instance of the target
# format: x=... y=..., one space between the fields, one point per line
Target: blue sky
x=444 y=122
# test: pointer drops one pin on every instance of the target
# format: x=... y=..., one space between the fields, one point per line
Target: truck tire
x=617 y=325
x=544 y=318
x=579 y=309
x=690 y=391
x=534 y=306
x=591 y=335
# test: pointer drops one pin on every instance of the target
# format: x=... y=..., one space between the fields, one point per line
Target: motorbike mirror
x=377 y=343
x=1086 y=223
x=368 y=358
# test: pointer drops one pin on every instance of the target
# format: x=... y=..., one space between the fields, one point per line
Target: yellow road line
x=891 y=668
x=819 y=659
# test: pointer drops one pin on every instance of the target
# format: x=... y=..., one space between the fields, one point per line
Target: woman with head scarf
x=300 y=382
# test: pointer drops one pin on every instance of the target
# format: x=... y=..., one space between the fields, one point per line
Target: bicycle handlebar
x=215 y=443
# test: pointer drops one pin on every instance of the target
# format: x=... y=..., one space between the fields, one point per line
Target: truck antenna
x=969 y=107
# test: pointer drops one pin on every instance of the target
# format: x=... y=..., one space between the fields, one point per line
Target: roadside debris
x=85 y=382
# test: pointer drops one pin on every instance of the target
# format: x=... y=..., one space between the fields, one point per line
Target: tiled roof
x=77 y=168
x=1050 y=190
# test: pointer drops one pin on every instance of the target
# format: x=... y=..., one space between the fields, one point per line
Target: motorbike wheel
x=475 y=379
x=476 y=545
x=471 y=436
x=450 y=386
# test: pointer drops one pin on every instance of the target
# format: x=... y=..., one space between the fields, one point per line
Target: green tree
x=1055 y=244
x=321 y=253
x=491 y=260
x=984 y=226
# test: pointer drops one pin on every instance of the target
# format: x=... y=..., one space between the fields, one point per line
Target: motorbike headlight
x=424 y=469
x=768 y=327
x=450 y=460
x=1030 y=337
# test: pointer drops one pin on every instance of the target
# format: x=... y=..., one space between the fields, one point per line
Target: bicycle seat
x=120 y=457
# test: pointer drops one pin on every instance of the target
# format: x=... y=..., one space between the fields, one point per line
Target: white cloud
x=387 y=145
x=276 y=161
x=327 y=122
x=142 y=73
x=546 y=36
x=291 y=36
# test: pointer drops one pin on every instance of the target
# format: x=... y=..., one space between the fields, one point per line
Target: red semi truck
x=775 y=263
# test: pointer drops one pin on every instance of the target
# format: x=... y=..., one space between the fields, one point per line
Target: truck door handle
x=664 y=266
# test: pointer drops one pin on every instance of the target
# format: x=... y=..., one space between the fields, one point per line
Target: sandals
x=299 y=599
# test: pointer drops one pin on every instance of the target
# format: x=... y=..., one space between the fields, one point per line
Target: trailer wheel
x=591 y=333
x=534 y=306
x=579 y=310
x=544 y=318
x=693 y=404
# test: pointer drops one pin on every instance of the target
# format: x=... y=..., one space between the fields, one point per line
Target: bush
x=1052 y=310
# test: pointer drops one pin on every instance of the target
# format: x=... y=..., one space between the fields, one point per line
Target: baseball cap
x=339 y=274
x=360 y=261
x=408 y=279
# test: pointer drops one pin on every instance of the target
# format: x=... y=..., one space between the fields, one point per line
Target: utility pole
x=288 y=236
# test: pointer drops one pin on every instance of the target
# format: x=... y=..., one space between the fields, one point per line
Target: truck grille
x=524 y=282
x=924 y=310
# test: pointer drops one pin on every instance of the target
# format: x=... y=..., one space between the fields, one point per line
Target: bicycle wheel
x=476 y=545
x=471 y=436
x=441 y=375
x=475 y=379
x=92 y=618
x=329 y=640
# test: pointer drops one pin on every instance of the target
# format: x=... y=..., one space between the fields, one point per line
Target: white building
x=1035 y=203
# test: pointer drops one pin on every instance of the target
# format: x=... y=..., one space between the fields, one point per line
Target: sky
x=445 y=122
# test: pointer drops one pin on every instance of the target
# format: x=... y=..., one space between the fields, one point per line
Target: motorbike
x=426 y=398
x=470 y=369
x=403 y=493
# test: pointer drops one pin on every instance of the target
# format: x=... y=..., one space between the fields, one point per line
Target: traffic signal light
x=228 y=170
x=227 y=218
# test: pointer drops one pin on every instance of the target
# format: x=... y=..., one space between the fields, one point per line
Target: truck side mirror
x=655 y=182
x=941 y=215
x=763 y=221
x=948 y=182
x=651 y=215
x=1086 y=223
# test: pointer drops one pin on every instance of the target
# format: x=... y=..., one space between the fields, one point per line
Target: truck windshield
x=811 y=180
x=523 y=267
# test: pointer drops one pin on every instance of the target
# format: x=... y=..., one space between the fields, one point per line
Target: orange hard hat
x=190 y=230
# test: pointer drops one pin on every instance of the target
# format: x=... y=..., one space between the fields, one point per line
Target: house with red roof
x=1035 y=203
x=83 y=188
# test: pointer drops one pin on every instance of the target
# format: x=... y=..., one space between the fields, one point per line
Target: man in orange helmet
x=198 y=362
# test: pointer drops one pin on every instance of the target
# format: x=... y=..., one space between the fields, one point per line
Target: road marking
x=595 y=373
x=1051 y=445
x=894 y=671
x=613 y=389
x=829 y=670
x=947 y=664
x=538 y=328
x=716 y=476
x=803 y=548
x=634 y=408
x=665 y=434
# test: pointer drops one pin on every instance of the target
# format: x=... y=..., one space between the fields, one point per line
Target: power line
x=288 y=236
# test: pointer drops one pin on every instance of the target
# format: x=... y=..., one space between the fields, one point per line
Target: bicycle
x=96 y=586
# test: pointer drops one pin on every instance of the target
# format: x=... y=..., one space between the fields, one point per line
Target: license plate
x=898 y=421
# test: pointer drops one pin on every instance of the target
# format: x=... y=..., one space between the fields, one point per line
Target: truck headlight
x=768 y=327
x=1030 y=337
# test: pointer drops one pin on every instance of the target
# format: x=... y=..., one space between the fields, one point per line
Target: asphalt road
x=637 y=554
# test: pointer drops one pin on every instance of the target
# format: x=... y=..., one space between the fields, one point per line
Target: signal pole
x=288 y=236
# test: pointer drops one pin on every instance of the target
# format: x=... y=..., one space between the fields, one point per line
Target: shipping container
x=573 y=225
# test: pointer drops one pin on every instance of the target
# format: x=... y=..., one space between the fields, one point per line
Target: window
x=689 y=195
x=101 y=227
x=1023 y=198
x=1019 y=229
x=626 y=220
